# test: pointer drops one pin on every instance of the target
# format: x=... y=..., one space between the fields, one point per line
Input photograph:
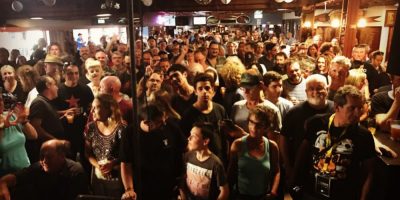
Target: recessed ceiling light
x=36 y=18
x=104 y=15
x=282 y=9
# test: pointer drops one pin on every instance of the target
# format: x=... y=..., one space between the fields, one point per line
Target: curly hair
x=231 y=72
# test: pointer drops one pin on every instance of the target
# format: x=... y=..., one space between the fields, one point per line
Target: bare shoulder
x=236 y=145
x=273 y=145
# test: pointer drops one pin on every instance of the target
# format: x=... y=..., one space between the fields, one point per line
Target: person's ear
x=206 y=141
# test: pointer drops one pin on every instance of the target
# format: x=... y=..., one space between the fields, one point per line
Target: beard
x=316 y=101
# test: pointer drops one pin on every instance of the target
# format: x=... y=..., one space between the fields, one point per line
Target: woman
x=204 y=174
x=94 y=74
x=11 y=87
x=27 y=77
x=358 y=78
x=254 y=166
x=230 y=74
x=322 y=65
x=14 y=129
x=102 y=139
x=312 y=51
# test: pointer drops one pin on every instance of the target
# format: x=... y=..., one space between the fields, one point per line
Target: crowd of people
x=236 y=115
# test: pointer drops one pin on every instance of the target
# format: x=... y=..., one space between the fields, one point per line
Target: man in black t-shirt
x=73 y=103
x=160 y=160
x=184 y=95
x=205 y=110
x=337 y=154
x=54 y=177
x=292 y=132
x=43 y=116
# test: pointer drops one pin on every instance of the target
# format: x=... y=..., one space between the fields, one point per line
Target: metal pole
x=136 y=137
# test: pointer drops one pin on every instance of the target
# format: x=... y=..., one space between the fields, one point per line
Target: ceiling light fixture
x=104 y=15
x=225 y=1
x=36 y=18
x=109 y=4
x=17 y=6
x=203 y=2
x=362 y=23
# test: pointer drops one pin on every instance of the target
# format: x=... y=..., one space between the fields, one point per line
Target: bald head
x=110 y=85
x=59 y=146
x=316 y=78
x=52 y=155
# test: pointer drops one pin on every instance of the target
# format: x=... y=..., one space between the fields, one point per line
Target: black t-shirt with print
x=70 y=97
x=294 y=121
x=203 y=179
x=342 y=163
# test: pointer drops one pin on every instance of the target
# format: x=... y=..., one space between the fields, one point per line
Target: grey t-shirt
x=240 y=114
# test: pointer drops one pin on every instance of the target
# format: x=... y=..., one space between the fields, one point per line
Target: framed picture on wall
x=390 y=17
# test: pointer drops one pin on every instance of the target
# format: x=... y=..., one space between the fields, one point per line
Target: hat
x=249 y=80
x=53 y=59
x=92 y=63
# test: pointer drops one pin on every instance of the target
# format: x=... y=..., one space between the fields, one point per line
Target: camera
x=9 y=100
x=323 y=184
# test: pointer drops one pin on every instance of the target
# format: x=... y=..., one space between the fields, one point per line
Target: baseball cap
x=249 y=80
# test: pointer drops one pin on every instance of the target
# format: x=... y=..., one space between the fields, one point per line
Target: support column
x=351 y=26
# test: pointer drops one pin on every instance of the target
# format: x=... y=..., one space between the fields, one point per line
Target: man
x=376 y=76
x=151 y=42
x=251 y=82
x=184 y=96
x=213 y=58
x=294 y=86
x=43 y=117
x=4 y=54
x=112 y=85
x=292 y=131
x=103 y=58
x=231 y=49
x=272 y=91
x=338 y=71
x=84 y=54
x=80 y=42
x=290 y=38
x=118 y=62
x=280 y=63
x=342 y=152
x=51 y=67
x=268 y=60
x=205 y=110
x=73 y=103
x=54 y=177
x=358 y=54
x=161 y=148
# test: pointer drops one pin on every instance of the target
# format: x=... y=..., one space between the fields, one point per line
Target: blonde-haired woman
x=94 y=73
x=102 y=139
x=358 y=78
x=12 y=89
x=231 y=73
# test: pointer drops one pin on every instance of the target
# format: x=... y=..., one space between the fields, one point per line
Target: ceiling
x=81 y=9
